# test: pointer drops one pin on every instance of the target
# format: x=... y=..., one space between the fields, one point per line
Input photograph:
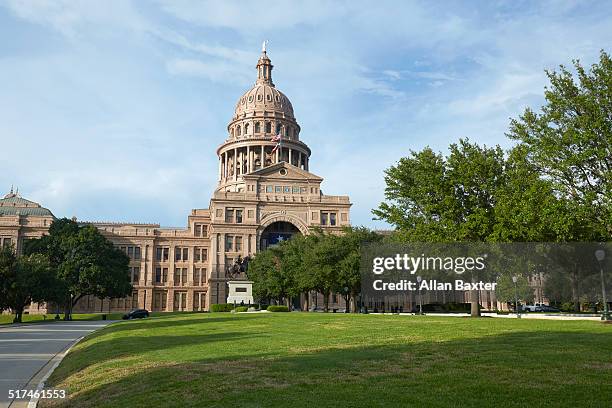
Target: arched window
x=268 y=127
x=232 y=132
x=238 y=130
x=246 y=128
x=257 y=127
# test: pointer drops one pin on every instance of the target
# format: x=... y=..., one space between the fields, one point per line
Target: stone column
x=225 y=165
x=235 y=164
x=248 y=155
x=220 y=167
x=262 y=159
x=290 y=162
x=300 y=160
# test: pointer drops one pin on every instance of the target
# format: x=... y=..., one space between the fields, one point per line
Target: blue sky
x=113 y=110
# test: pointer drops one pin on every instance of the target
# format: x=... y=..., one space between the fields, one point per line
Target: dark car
x=136 y=314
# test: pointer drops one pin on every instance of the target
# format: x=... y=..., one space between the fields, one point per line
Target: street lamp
x=516 y=305
x=346 y=309
x=419 y=279
x=600 y=254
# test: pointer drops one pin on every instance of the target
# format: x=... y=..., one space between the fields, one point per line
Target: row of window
x=5 y=241
x=180 y=276
x=133 y=252
x=160 y=299
x=288 y=189
x=181 y=254
x=239 y=130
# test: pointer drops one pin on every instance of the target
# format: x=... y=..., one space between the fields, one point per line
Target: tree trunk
x=474 y=306
x=326 y=302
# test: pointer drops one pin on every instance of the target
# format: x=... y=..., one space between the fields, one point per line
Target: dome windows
x=269 y=97
x=246 y=128
x=238 y=131
x=268 y=127
x=257 y=127
x=277 y=98
x=251 y=98
x=259 y=98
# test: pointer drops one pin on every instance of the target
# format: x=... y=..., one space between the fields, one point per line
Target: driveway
x=26 y=349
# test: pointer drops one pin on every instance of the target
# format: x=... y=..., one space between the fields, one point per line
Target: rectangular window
x=158 y=275
x=177 y=276
x=303 y=190
x=161 y=253
x=181 y=254
x=238 y=216
x=269 y=189
x=184 y=276
x=130 y=252
x=135 y=274
x=323 y=218
x=287 y=189
x=164 y=275
x=251 y=213
x=296 y=190
x=196 y=276
x=137 y=254
x=197 y=230
x=229 y=215
x=238 y=243
x=332 y=218
x=229 y=243
x=278 y=189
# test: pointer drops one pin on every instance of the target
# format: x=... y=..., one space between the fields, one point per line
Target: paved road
x=25 y=349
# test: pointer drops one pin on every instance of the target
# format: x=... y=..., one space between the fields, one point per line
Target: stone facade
x=265 y=193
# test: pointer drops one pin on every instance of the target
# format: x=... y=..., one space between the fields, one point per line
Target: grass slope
x=308 y=359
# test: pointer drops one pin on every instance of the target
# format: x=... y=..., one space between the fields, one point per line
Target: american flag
x=278 y=139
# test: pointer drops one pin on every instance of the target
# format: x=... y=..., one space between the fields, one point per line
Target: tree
x=431 y=198
x=349 y=267
x=25 y=280
x=84 y=261
x=570 y=140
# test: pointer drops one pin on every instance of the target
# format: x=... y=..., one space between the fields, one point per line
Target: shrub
x=275 y=308
x=241 y=309
x=221 y=307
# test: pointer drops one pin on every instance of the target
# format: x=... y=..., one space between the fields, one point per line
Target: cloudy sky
x=113 y=110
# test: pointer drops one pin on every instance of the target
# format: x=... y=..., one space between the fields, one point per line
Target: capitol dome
x=263 y=97
x=262 y=132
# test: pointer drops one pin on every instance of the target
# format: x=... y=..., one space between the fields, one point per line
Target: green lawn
x=329 y=360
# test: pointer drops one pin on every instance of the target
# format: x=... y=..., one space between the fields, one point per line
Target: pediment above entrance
x=283 y=171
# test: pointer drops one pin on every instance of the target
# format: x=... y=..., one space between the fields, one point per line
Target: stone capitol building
x=265 y=194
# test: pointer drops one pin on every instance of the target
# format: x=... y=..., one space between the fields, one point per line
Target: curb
x=47 y=369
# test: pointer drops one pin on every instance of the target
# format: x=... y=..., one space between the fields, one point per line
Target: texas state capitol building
x=263 y=196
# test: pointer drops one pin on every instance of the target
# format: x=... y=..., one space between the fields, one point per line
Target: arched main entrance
x=277 y=232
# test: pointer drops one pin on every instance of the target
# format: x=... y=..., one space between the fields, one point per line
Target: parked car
x=136 y=314
x=550 y=309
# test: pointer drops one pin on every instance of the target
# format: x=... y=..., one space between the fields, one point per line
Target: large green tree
x=26 y=279
x=570 y=140
x=431 y=198
x=85 y=261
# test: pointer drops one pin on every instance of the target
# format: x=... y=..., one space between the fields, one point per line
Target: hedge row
x=275 y=308
x=228 y=307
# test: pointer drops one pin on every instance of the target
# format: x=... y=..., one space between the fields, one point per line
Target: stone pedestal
x=240 y=291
